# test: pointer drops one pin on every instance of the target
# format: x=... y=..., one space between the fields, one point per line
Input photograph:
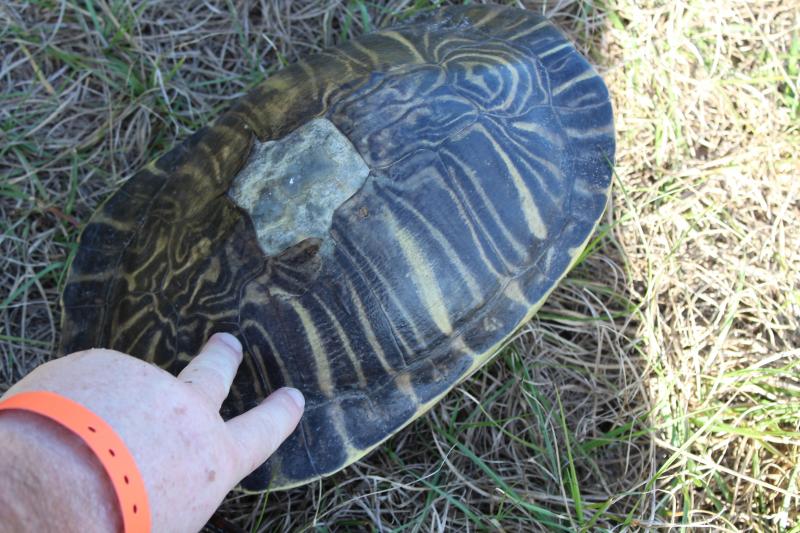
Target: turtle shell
x=373 y=223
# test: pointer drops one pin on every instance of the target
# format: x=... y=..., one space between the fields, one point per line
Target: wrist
x=53 y=481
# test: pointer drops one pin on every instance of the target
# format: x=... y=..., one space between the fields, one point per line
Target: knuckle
x=224 y=351
x=292 y=410
x=266 y=423
x=209 y=381
x=289 y=407
x=221 y=362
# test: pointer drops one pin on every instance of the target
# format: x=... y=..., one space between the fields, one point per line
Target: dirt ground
x=658 y=388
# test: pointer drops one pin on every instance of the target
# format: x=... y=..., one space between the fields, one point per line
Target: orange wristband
x=103 y=441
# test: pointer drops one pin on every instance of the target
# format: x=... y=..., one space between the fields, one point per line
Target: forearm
x=185 y=454
x=51 y=481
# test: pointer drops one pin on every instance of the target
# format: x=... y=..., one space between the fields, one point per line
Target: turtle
x=373 y=223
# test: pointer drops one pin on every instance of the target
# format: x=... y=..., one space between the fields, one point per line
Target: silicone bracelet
x=104 y=443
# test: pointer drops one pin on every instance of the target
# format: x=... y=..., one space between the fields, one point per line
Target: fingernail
x=296 y=395
x=230 y=341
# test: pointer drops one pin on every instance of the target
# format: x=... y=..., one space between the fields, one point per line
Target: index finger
x=211 y=372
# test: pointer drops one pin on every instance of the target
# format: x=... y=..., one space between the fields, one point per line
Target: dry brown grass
x=660 y=385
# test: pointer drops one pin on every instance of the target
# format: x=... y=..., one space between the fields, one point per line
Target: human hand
x=188 y=456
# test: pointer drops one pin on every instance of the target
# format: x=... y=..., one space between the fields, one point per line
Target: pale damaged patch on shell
x=291 y=187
